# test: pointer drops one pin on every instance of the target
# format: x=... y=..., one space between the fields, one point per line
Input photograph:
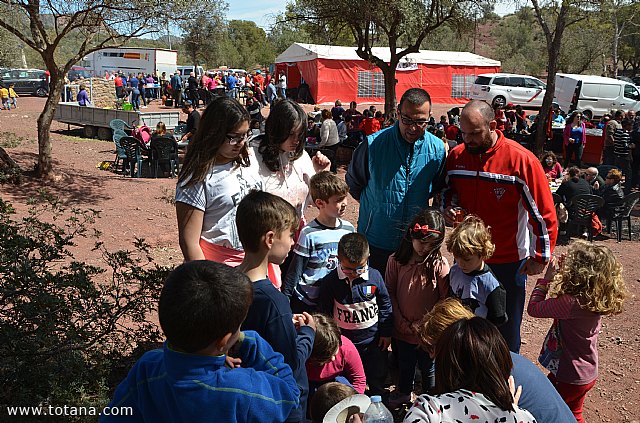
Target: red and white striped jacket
x=507 y=188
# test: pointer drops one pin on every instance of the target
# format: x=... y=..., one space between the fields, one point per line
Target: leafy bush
x=70 y=330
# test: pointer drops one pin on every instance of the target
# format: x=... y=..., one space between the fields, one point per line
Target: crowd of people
x=276 y=318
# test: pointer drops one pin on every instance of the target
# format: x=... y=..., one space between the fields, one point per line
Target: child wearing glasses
x=470 y=278
x=213 y=179
x=416 y=278
x=356 y=296
x=315 y=253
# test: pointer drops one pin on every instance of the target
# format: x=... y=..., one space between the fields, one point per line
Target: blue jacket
x=361 y=309
x=170 y=386
x=270 y=315
x=538 y=395
x=393 y=180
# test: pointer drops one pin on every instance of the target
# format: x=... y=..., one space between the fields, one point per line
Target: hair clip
x=425 y=229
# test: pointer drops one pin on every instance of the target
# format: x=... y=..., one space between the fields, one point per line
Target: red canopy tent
x=335 y=72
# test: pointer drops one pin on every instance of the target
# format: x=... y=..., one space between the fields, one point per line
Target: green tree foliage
x=520 y=43
x=69 y=329
x=246 y=46
x=203 y=35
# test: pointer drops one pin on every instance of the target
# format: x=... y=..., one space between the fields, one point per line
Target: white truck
x=133 y=60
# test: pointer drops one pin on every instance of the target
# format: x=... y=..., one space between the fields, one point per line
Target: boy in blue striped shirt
x=316 y=252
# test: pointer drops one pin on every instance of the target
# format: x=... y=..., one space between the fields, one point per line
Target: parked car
x=503 y=88
x=25 y=81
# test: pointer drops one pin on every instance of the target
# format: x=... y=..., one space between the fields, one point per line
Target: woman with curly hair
x=552 y=168
x=582 y=286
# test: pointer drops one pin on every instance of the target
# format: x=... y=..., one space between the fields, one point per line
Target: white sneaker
x=143 y=107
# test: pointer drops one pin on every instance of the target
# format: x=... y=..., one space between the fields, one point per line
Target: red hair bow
x=425 y=229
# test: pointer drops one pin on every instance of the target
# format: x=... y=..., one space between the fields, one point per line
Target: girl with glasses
x=214 y=178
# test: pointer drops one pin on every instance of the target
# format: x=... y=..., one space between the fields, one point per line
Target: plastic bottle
x=377 y=412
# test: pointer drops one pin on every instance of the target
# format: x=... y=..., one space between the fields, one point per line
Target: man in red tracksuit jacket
x=503 y=183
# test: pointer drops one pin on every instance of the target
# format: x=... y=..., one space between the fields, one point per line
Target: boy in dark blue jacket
x=357 y=298
x=266 y=224
x=201 y=307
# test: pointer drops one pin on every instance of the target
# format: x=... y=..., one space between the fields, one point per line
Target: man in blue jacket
x=392 y=175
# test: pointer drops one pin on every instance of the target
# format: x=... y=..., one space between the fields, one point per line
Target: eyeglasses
x=410 y=122
x=237 y=139
x=358 y=270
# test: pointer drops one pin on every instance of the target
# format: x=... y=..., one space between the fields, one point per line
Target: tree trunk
x=45 y=167
x=10 y=170
x=390 y=81
x=614 y=47
x=543 y=116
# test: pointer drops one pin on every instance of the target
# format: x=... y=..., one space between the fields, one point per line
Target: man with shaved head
x=504 y=184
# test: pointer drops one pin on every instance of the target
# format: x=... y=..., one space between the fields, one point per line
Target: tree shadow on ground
x=73 y=186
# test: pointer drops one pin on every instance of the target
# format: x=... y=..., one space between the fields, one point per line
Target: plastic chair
x=121 y=154
x=581 y=209
x=131 y=147
x=119 y=125
x=164 y=150
x=623 y=212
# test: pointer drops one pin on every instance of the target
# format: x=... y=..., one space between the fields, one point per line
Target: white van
x=186 y=70
x=504 y=88
x=595 y=95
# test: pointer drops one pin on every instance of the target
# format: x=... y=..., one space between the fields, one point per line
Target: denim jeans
x=408 y=356
x=135 y=99
x=508 y=274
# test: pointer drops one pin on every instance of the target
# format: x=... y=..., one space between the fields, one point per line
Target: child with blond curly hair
x=576 y=291
x=471 y=279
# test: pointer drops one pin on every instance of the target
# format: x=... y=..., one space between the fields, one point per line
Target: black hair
x=201 y=302
x=223 y=115
x=432 y=218
x=353 y=247
x=415 y=96
x=285 y=116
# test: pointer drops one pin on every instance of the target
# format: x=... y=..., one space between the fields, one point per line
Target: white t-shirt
x=282 y=81
x=218 y=196
x=463 y=406
x=291 y=182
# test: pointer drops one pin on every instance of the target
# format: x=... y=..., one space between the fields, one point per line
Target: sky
x=263 y=12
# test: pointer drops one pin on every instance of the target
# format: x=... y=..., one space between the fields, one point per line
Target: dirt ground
x=133 y=208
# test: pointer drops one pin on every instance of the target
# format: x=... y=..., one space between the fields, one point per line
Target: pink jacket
x=346 y=364
x=413 y=294
x=567 y=134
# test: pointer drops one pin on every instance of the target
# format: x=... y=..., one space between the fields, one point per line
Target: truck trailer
x=133 y=60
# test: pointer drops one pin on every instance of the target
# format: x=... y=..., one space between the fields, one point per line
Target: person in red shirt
x=119 y=86
x=258 y=79
x=369 y=125
x=504 y=184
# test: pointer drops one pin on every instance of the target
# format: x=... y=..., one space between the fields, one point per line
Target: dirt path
x=133 y=208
